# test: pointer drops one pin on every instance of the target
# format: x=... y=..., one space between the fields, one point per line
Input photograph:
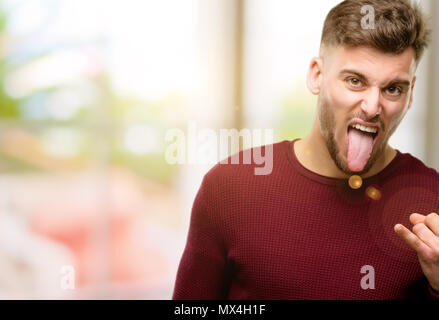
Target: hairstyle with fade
x=398 y=25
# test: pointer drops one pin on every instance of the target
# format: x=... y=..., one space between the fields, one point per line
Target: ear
x=314 y=78
x=411 y=92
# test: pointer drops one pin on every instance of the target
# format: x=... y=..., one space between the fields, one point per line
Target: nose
x=371 y=105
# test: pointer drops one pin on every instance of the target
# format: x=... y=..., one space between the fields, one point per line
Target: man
x=330 y=221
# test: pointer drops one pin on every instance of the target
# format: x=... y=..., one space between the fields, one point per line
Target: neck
x=313 y=154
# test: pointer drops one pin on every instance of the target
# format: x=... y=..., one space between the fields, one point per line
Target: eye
x=394 y=91
x=354 y=82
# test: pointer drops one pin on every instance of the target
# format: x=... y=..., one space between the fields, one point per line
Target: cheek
x=342 y=102
x=395 y=112
x=340 y=99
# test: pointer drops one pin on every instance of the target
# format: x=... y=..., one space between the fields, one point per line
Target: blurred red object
x=99 y=218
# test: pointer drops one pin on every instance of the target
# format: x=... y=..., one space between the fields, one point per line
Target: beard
x=327 y=128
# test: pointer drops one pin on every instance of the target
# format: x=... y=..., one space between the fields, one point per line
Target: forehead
x=371 y=62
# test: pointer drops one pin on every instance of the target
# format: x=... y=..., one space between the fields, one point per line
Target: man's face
x=364 y=95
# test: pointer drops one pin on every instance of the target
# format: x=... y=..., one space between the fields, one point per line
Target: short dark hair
x=399 y=24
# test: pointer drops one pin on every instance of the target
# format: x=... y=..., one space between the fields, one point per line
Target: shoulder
x=253 y=168
x=413 y=171
x=231 y=187
x=249 y=163
x=415 y=165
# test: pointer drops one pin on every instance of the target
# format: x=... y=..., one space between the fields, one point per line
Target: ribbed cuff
x=433 y=292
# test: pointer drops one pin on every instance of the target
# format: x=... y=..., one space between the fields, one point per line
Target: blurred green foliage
x=296 y=115
x=106 y=109
x=9 y=108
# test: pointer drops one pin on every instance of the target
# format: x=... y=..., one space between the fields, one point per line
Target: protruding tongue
x=359 y=149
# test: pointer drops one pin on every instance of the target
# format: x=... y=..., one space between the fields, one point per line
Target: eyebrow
x=401 y=82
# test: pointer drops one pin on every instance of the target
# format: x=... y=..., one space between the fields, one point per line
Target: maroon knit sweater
x=294 y=234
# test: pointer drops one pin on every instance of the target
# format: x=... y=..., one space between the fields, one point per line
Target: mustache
x=375 y=120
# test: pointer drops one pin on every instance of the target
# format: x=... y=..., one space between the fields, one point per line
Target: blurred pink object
x=100 y=217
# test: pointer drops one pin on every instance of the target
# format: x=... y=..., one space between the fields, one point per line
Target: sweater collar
x=291 y=155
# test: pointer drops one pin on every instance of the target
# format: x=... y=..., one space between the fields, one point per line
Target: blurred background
x=89 y=208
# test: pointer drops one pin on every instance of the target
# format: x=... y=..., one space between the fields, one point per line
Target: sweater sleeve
x=203 y=271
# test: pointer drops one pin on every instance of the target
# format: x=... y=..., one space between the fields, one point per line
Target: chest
x=336 y=253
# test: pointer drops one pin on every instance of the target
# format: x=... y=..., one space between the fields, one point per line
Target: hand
x=425 y=240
